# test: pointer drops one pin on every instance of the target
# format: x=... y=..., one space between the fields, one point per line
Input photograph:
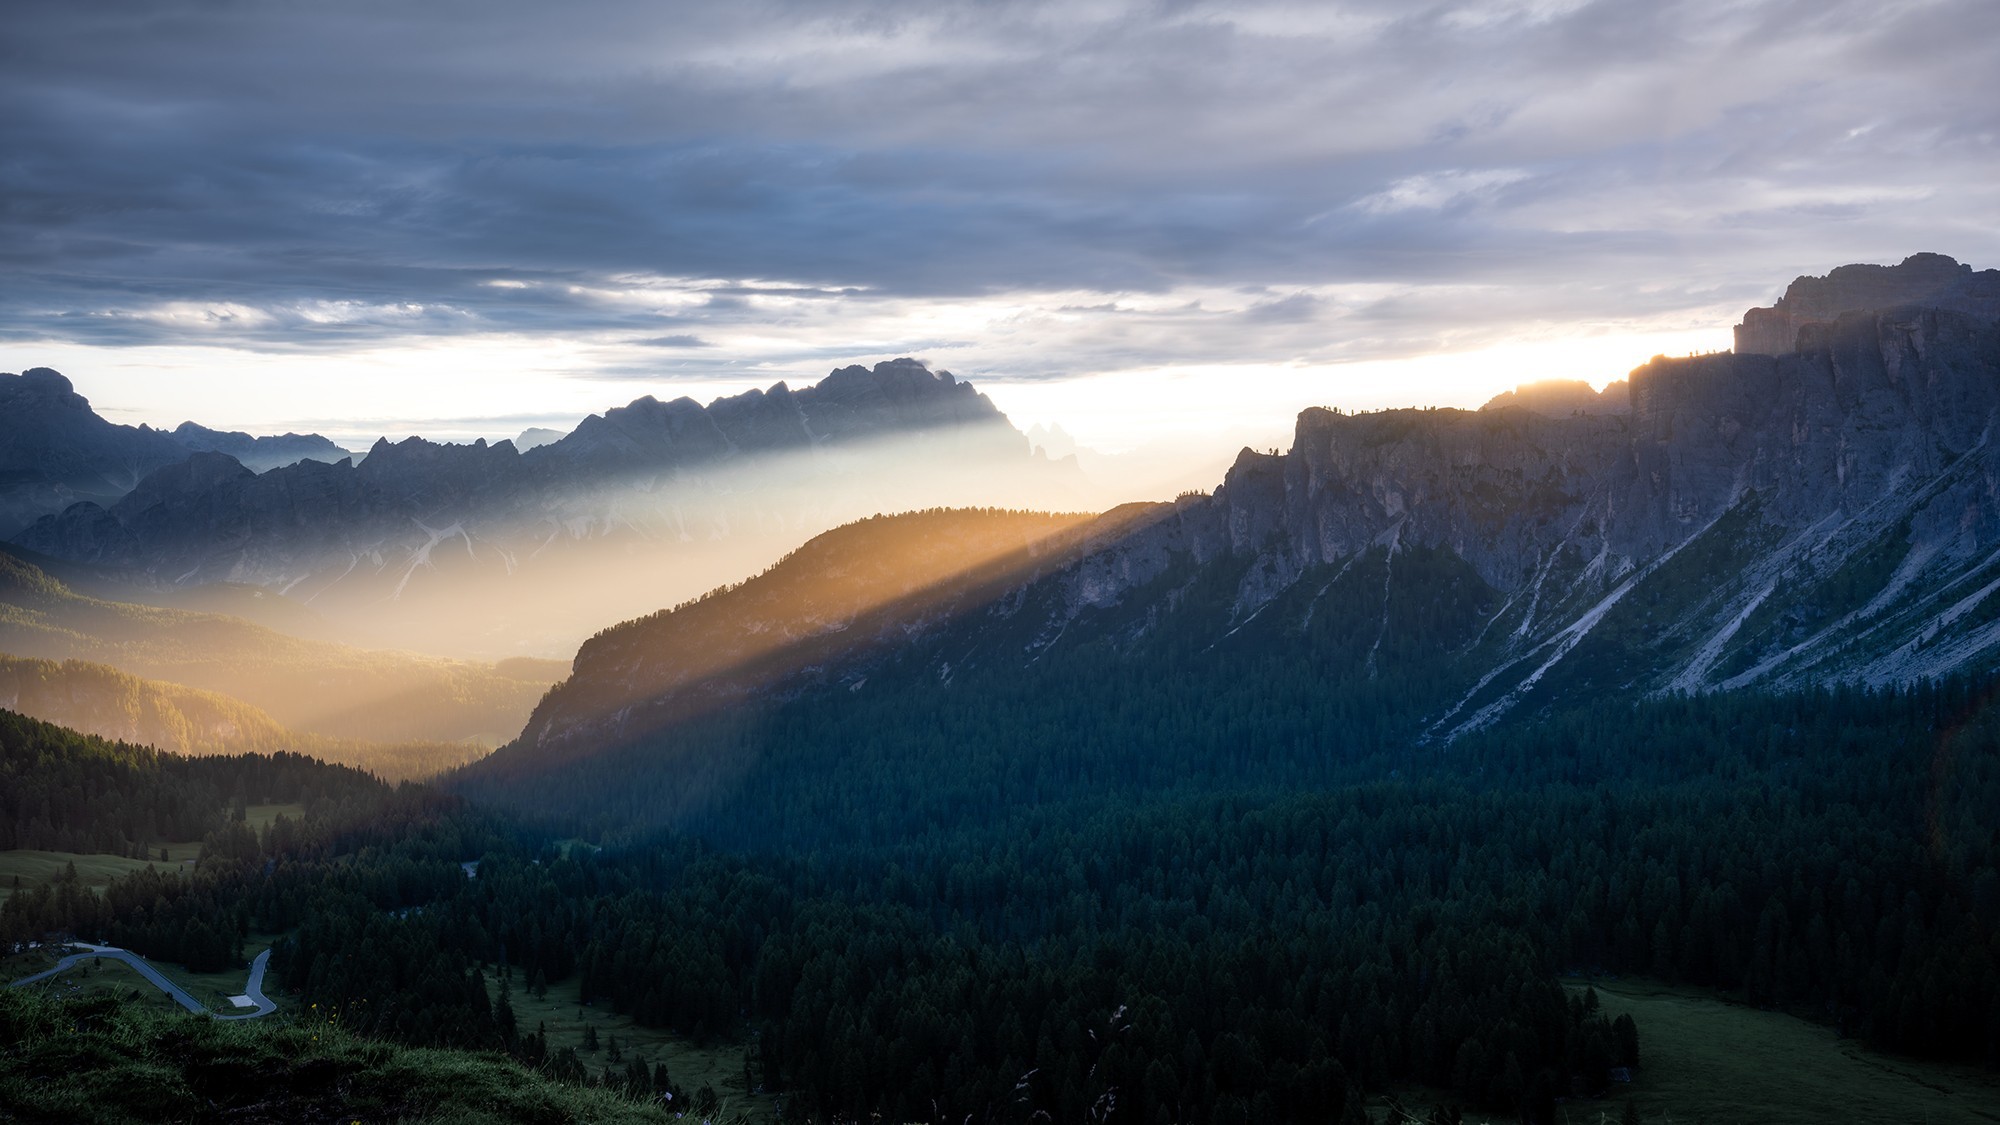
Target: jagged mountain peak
x=1565 y=396
x=55 y=451
x=438 y=531
x=43 y=384
x=1917 y=279
x=904 y=374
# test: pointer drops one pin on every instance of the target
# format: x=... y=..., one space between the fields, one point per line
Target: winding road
x=253 y=989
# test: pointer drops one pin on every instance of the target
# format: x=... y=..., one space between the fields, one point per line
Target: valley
x=1626 y=754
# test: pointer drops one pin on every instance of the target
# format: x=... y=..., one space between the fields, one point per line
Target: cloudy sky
x=1143 y=220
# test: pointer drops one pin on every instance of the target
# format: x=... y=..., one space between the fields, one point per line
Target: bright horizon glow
x=494 y=388
x=1129 y=411
x=1159 y=226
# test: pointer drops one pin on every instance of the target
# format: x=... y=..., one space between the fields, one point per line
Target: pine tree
x=503 y=1014
x=1627 y=1033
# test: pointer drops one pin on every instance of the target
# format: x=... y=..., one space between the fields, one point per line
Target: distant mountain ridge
x=331 y=691
x=1825 y=516
x=56 y=451
x=99 y=700
x=1565 y=396
x=445 y=532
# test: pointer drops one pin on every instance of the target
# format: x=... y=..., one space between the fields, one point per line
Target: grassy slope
x=720 y=1067
x=97 y=871
x=1707 y=1060
x=35 y=868
x=94 y=1059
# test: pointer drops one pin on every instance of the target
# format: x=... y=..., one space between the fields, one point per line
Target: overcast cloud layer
x=1015 y=190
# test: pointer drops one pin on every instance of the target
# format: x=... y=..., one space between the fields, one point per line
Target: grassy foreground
x=92 y=1059
x=1705 y=1061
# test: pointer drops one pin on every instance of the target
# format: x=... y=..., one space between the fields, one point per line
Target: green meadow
x=1706 y=1061
x=718 y=1067
x=35 y=868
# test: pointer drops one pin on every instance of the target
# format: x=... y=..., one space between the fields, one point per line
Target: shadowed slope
x=815 y=618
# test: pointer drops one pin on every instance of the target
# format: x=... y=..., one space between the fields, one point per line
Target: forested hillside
x=66 y=791
x=1143 y=947
x=1238 y=829
x=854 y=593
x=975 y=717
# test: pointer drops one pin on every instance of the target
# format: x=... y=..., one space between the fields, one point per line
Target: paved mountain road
x=253 y=988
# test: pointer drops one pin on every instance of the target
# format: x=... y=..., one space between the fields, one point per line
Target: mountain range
x=56 y=451
x=1349 y=776
x=485 y=548
x=1740 y=520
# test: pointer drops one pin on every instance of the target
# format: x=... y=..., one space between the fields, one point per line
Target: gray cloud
x=320 y=177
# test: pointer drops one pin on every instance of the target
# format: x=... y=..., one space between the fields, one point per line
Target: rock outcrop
x=1559 y=397
x=1928 y=280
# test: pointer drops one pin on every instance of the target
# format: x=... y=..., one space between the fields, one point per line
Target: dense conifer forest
x=1171 y=882
x=1165 y=953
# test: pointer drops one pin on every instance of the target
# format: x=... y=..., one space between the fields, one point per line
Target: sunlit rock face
x=1929 y=280
x=487 y=550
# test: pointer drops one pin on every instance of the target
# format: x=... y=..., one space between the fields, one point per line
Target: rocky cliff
x=1927 y=280
x=1826 y=515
